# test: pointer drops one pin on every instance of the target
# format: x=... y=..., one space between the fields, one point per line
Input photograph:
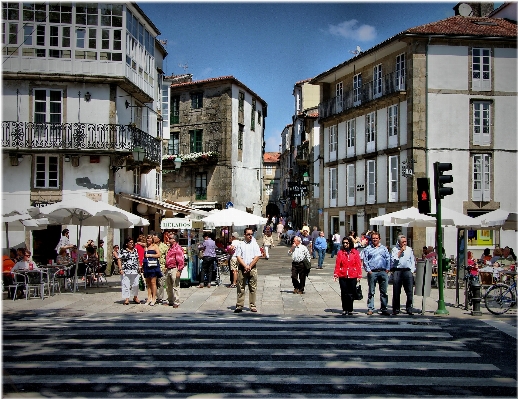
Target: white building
x=81 y=89
x=440 y=92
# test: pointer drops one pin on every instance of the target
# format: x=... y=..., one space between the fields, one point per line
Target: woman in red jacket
x=348 y=271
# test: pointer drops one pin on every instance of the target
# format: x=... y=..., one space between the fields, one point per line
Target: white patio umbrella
x=20 y=221
x=83 y=211
x=499 y=218
x=410 y=217
x=232 y=216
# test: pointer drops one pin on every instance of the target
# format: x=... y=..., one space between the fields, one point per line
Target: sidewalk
x=274 y=297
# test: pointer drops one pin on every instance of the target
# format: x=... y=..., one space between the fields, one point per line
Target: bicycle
x=469 y=279
x=501 y=297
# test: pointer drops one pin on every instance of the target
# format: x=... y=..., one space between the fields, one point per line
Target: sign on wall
x=175 y=224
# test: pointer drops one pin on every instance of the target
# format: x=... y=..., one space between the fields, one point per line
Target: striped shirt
x=375 y=258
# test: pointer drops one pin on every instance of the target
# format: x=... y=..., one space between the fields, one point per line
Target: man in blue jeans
x=321 y=247
x=376 y=262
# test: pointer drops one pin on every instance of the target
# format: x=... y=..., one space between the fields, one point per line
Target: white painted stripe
x=502 y=326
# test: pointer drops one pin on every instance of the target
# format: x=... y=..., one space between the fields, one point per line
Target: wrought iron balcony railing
x=388 y=84
x=30 y=136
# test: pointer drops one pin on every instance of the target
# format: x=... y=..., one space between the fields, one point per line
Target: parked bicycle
x=502 y=297
x=470 y=276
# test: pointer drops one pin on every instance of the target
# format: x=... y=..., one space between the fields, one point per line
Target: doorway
x=44 y=243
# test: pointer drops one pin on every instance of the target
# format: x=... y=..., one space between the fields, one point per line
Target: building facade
x=271 y=183
x=216 y=128
x=81 y=91
x=442 y=92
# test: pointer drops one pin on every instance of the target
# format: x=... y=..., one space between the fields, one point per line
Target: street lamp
x=305 y=177
x=138 y=154
x=177 y=162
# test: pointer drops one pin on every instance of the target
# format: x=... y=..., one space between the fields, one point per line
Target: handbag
x=307 y=263
x=141 y=285
x=152 y=262
x=358 y=295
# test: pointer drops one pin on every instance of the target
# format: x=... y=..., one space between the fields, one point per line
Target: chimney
x=473 y=9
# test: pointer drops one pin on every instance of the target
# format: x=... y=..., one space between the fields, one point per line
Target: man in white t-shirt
x=64 y=242
x=336 y=243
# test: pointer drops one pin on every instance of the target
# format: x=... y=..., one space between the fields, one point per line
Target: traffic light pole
x=441 y=308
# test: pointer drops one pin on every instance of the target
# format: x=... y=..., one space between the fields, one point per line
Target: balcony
x=208 y=157
x=303 y=153
x=75 y=137
x=392 y=83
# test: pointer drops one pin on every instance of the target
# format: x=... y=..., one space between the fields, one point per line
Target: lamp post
x=138 y=154
x=177 y=162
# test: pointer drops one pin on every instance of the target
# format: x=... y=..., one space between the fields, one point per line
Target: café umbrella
x=21 y=221
x=83 y=211
x=233 y=216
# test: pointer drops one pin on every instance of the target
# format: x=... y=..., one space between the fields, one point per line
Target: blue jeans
x=403 y=278
x=321 y=255
x=336 y=247
x=381 y=278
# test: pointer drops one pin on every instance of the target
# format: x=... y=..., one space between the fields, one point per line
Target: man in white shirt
x=248 y=254
x=298 y=270
x=64 y=242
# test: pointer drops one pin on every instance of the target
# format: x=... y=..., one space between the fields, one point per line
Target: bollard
x=476 y=298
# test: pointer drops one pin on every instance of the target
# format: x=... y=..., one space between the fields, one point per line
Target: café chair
x=18 y=282
x=35 y=284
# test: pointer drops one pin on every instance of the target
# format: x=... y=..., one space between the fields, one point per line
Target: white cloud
x=352 y=30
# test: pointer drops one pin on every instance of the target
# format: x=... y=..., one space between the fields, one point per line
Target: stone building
x=81 y=90
x=216 y=129
x=444 y=91
x=271 y=183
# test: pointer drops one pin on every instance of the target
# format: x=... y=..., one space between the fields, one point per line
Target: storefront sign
x=175 y=224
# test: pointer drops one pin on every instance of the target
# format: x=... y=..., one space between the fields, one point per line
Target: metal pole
x=441 y=308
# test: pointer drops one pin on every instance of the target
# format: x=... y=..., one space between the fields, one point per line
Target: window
x=157 y=185
x=111 y=15
x=86 y=13
x=92 y=38
x=333 y=139
x=65 y=37
x=173 y=146
x=196 y=100
x=27 y=34
x=196 y=140
x=34 y=12
x=175 y=110
x=481 y=69
x=481 y=122
x=269 y=170
x=481 y=178
x=80 y=38
x=47 y=106
x=333 y=186
x=370 y=130
x=400 y=72
x=393 y=178
x=40 y=40
x=377 y=81
x=350 y=127
x=392 y=120
x=371 y=182
x=240 y=137
x=351 y=189
x=201 y=186
x=241 y=101
x=60 y=13
x=13 y=34
x=10 y=11
x=259 y=117
x=252 y=117
x=357 y=86
x=46 y=172
x=339 y=89
x=136 y=180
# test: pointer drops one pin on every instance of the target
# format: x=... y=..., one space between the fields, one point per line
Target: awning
x=206 y=204
x=165 y=206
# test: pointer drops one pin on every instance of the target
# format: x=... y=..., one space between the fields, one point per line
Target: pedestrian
x=267 y=243
x=174 y=264
x=248 y=254
x=336 y=243
x=129 y=269
x=231 y=250
x=376 y=262
x=348 y=271
x=306 y=239
x=298 y=270
x=321 y=247
x=151 y=268
x=163 y=246
x=403 y=266
x=209 y=257
x=140 y=246
x=280 y=230
x=115 y=259
x=100 y=251
x=64 y=242
x=314 y=236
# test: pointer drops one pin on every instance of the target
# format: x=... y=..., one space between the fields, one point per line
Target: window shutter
x=350 y=185
x=476 y=194
x=486 y=184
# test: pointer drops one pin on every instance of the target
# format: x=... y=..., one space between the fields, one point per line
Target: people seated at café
x=7 y=264
x=13 y=255
x=508 y=254
x=25 y=264
x=63 y=258
x=486 y=256
x=497 y=255
x=19 y=254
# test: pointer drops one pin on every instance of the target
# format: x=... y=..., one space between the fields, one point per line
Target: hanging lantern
x=169 y=213
x=151 y=210
x=142 y=209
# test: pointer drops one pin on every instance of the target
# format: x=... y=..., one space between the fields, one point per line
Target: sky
x=270 y=46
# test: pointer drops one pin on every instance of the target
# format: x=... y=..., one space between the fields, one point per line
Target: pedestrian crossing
x=247 y=355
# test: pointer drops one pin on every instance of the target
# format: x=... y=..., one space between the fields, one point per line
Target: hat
x=235 y=234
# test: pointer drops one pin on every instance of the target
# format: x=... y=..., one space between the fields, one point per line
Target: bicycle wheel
x=499 y=299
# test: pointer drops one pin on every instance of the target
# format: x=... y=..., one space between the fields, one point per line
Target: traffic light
x=440 y=180
x=423 y=195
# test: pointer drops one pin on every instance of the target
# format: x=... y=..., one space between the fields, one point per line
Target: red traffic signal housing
x=423 y=195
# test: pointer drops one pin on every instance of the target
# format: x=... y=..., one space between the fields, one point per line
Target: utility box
x=423 y=278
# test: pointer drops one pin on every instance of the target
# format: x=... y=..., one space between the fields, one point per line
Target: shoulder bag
x=307 y=263
x=358 y=294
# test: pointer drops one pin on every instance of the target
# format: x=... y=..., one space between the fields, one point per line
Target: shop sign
x=176 y=224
